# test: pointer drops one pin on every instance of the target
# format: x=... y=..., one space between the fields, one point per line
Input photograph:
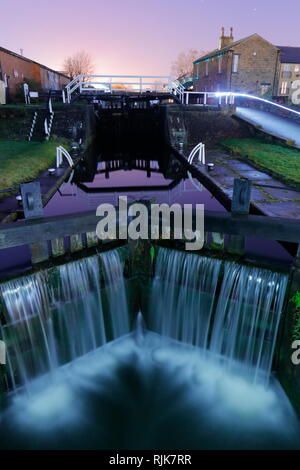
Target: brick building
x=289 y=70
x=14 y=68
x=249 y=66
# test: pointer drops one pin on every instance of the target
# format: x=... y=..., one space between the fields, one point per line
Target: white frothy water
x=237 y=321
x=50 y=324
x=168 y=384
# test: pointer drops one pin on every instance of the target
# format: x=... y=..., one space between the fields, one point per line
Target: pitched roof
x=289 y=55
x=227 y=48
x=7 y=51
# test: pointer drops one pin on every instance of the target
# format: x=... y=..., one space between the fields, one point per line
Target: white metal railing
x=178 y=90
x=125 y=83
x=228 y=98
x=32 y=126
x=204 y=97
x=48 y=124
x=232 y=95
x=61 y=152
x=200 y=149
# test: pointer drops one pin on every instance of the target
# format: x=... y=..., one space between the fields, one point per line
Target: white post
x=57 y=157
x=205 y=99
x=63 y=96
x=26 y=93
x=50 y=106
x=46 y=128
x=2 y=353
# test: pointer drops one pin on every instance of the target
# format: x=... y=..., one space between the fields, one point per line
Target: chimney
x=225 y=40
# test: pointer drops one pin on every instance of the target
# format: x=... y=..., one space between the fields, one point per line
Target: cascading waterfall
x=28 y=332
x=241 y=329
x=116 y=295
x=50 y=324
x=247 y=316
x=183 y=295
x=230 y=311
x=78 y=315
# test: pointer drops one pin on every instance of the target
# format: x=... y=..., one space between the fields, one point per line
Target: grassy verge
x=281 y=162
x=24 y=161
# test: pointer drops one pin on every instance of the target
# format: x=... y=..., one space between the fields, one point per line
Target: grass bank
x=24 y=161
x=281 y=162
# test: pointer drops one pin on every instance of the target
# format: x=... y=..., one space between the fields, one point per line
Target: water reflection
x=149 y=394
x=152 y=175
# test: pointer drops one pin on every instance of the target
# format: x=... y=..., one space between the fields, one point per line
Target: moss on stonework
x=296 y=323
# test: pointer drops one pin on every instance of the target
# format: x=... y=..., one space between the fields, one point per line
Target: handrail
x=48 y=125
x=60 y=153
x=201 y=155
x=32 y=126
x=36 y=230
x=230 y=99
x=200 y=148
x=257 y=98
x=111 y=82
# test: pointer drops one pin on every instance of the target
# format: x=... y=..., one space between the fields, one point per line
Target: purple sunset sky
x=138 y=36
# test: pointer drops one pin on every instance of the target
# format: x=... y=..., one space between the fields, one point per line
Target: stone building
x=289 y=71
x=15 y=68
x=248 y=66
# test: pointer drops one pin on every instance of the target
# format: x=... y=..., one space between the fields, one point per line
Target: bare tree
x=183 y=65
x=79 y=63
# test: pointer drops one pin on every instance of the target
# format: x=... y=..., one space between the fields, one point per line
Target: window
x=220 y=64
x=235 y=63
x=206 y=68
x=286 y=74
x=283 y=90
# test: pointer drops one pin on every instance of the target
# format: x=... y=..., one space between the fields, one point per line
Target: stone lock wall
x=192 y=125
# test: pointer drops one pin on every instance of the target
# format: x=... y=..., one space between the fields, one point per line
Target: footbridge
x=267 y=116
x=104 y=87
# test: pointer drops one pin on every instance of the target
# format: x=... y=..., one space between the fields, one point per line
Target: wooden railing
x=80 y=229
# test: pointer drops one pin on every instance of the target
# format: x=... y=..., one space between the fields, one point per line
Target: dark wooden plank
x=31 y=231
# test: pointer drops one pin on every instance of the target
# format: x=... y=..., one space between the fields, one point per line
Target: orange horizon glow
x=131 y=37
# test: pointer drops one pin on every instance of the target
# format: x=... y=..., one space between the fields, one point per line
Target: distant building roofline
x=289 y=54
x=19 y=56
x=228 y=48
